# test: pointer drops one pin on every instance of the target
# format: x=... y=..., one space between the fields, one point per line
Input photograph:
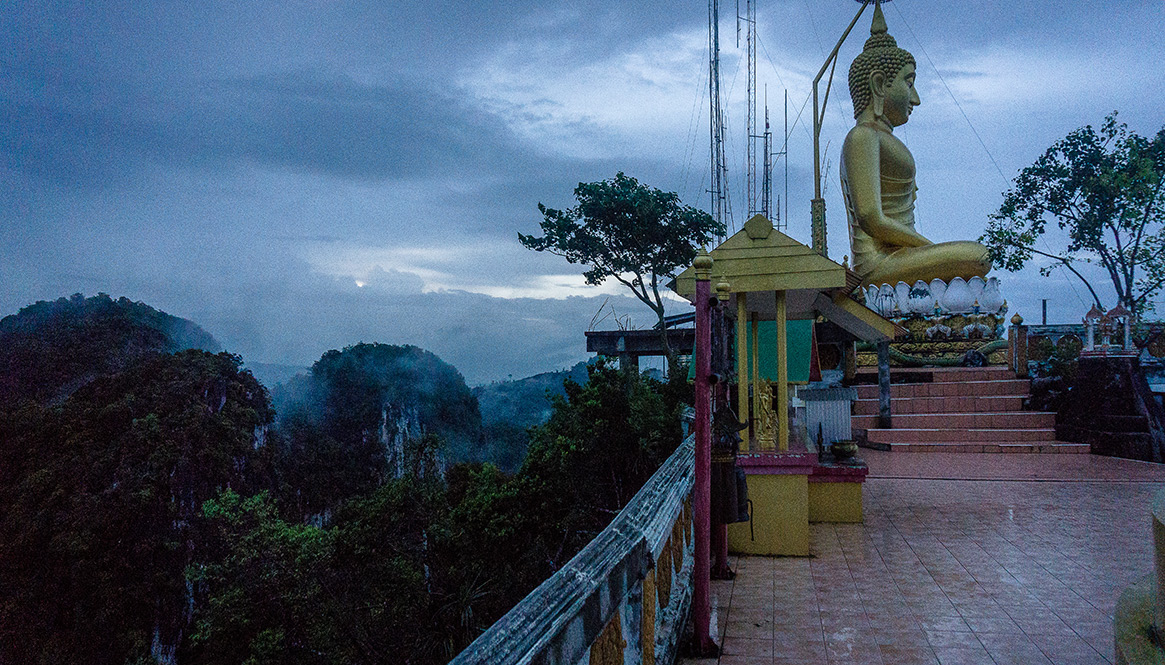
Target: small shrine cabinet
x=770 y=280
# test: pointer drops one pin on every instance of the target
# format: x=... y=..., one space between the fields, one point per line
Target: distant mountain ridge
x=51 y=348
x=525 y=402
x=273 y=374
x=510 y=408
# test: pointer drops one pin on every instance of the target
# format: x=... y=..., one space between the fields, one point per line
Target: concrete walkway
x=963 y=558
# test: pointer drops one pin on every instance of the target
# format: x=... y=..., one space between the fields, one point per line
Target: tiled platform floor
x=953 y=571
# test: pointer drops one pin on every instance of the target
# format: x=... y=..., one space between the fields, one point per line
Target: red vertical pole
x=702 y=492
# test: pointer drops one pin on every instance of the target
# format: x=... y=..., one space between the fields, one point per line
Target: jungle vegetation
x=157 y=508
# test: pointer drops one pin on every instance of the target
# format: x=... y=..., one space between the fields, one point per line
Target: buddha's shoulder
x=863 y=134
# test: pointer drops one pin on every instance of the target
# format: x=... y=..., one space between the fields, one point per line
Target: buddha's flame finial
x=878 y=27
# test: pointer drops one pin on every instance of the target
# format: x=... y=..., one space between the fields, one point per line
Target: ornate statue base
x=946 y=322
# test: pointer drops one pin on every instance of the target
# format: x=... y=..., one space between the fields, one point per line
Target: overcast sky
x=300 y=176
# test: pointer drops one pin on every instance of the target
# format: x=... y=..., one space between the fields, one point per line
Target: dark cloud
x=243 y=164
x=302 y=121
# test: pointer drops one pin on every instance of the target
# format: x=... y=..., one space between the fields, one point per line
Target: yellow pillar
x=647 y=618
x=742 y=363
x=754 y=381
x=782 y=375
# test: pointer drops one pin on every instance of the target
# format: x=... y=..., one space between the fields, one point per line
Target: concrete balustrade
x=622 y=600
x=1140 y=613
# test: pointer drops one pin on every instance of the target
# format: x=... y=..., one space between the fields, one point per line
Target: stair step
x=939 y=374
x=951 y=389
x=1006 y=447
x=959 y=410
x=968 y=436
x=957 y=420
x=963 y=404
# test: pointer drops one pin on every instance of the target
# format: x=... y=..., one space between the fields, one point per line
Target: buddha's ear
x=878 y=85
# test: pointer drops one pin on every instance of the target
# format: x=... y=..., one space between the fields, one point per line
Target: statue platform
x=948 y=324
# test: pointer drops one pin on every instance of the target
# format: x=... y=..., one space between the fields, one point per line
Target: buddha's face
x=901 y=97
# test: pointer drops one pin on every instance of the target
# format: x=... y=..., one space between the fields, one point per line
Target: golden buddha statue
x=877 y=175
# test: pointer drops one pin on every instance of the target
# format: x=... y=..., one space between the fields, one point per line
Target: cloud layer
x=298 y=177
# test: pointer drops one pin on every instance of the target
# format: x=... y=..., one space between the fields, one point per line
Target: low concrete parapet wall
x=1140 y=613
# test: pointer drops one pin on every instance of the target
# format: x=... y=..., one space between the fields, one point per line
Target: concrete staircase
x=958 y=410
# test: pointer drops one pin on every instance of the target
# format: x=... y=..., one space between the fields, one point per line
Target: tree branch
x=1146 y=213
x=1126 y=265
x=1067 y=264
x=1149 y=289
x=641 y=296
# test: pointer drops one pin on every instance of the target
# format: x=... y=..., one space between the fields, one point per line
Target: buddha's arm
x=861 y=153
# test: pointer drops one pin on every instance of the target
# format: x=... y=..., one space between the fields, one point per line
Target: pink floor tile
x=1021 y=565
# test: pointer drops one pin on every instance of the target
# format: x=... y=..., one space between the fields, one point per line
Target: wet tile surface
x=951 y=571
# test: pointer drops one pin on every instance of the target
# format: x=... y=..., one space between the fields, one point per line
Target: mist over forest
x=160 y=504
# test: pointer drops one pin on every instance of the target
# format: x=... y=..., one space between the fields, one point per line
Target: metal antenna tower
x=751 y=136
x=766 y=189
x=780 y=222
x=720 y=209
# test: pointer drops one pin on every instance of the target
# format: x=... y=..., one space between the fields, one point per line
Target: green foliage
x=340 y=425
x=622 y=229
x=49 y=349
x=258 y=585
x=1106 y=191
x=151 y=513
x=1056 y=361
x=510 y=408
x=601 y=443
x=604 y=439
x=279 y=592
x=358 y=383
x=98 y=499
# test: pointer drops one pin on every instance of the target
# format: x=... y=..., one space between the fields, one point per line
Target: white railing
x=622 y=600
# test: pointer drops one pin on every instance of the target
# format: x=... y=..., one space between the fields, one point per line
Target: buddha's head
x=882 y=76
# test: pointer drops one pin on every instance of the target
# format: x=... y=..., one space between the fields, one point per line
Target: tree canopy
x=51 y=348
x=1106 y=191
x=159 y=514
x=366 y=414
x=628 y=231
x=414 y=569
x=98 y=498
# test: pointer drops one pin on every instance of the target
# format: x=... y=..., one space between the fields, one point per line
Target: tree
x=633 y=233
x=357 y=592
x=1106 y=191
x=98 y=499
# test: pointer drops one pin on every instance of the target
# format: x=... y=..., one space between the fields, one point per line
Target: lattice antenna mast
x=720 y=209
x=767 y=186
x=751 y=137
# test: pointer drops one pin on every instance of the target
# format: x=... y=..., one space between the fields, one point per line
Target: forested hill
x=525 y=402
x=50 y=349
x=510 y=408
x=370 y=413
x=156 y=509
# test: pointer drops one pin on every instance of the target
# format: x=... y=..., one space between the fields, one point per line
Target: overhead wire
x=807 y=97
x=695 y=116
x=983 y=144
x=1006 y=182
x=813 y=25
